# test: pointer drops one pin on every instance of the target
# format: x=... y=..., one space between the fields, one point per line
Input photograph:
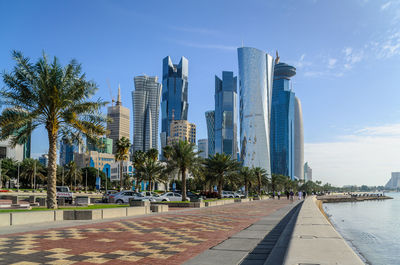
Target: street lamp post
x=18 y=179
x=86 y=182
x=34 y=176
x=62 y=178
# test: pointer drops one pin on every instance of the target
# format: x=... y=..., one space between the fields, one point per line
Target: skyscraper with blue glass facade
x=174 y=104
x=283 y=128
x=210 y=119
x=226 y=114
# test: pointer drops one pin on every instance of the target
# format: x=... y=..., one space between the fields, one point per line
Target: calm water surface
x=371 y=227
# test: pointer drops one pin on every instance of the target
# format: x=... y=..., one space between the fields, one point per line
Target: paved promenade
x=170 y=238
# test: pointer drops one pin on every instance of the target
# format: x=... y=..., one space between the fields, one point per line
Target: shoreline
x=348 y=241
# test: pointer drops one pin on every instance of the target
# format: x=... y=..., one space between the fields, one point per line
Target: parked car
x=151 y=196
x=170 y=196
x=64 y=192
x=124 y=196
x=106 y=195
x=228 y=194
x=190 y=194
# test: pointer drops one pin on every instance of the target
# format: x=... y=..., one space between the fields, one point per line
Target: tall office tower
x=67 y=151
x=210 y=119
x=226 y=114
x=182 y=130
x=307 y=172
x=174 y=103
x=255 y=88
x=298 y=140
x=146 y=108
x=119 y=126
x=103 y=145
x=203 y=147
x=283 y=121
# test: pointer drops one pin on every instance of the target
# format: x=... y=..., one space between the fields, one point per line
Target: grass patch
x=90 y=207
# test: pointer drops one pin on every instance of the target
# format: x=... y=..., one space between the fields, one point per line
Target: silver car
x=124 y=196
x=169 y=196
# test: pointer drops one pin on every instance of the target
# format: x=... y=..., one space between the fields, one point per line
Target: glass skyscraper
x=174 y=103
x=226 y=114
x=146 y=109
x=283 y=122
x=210 y=119
x=255 y=88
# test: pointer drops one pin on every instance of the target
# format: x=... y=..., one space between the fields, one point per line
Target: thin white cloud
x=352 y=57
x=332 y=63
x=301 y=62
x=386 y=5
x=195 y=30
x=366 y=156
x=207 y=45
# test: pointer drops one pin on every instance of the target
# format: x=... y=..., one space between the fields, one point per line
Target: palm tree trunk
x=52 y=171
x=246 y=189
x=259 y=185
x=121 y=174
x=220 y=189
x=183 y=170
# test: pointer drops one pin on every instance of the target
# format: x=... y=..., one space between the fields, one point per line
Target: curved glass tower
x=298 y=140
x=282 y=122
x=255 y=88
x=210 y=118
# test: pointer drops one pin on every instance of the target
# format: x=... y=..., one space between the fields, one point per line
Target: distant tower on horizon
x=146 y=110
x=118 y=127
x=255 y=88
x=174 y=95
x=298 y=140
x=210 y=119
x=283 y=122
x=307 y=172
x=226 y=114
x=202 y=145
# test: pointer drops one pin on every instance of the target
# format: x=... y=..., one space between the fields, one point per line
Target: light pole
x=75 y=179
x=18 y=179
x=62 y=178
x=34 y=176
x=86 y=182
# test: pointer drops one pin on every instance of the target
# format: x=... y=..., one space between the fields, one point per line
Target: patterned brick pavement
x=158 y=239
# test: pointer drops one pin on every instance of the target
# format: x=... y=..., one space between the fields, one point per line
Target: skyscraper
x=174 y=95
x=119 y=126
x=182 y=130
x=103 y=145
x=255 y=84
x=307 y=172
x=210 y=119
x=298 y=140
x=283 y=121
x=203 y=147
x=68 y=151
x=226 y=114
x=146 y=108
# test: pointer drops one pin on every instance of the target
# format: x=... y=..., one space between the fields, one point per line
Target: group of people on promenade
x=289 y=195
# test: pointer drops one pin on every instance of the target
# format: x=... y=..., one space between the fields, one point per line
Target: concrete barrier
x=82 y=200
x=114 y=212
x=24 y=218
x=242 y=200
x=5 y=219
x=58 y=215
x=159 y=208
x=132 y=211
x=14 y=200
x=315 y=241
x=88 y=214
x=135 y=203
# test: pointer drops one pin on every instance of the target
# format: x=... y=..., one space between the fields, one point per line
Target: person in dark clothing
x=287 y=194
x=291 y=195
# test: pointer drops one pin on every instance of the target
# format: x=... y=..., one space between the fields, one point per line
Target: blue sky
x=347 y=54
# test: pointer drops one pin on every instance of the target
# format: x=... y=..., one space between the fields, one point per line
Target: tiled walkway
x=157 y=239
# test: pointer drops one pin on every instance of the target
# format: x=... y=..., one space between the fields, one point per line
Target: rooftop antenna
x=119 y=96
x=242 y=43
x=110 y=90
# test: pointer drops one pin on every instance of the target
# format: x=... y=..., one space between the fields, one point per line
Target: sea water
x=372 y=228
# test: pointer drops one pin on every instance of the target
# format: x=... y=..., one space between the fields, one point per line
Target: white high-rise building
x=203 y=147
x=307 y=172
x=298 y=140
x=256 y=70
x=146 y=110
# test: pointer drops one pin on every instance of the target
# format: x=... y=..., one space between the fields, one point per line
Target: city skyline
x=342 y=133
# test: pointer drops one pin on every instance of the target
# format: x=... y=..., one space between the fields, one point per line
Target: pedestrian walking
x=304 y=194
x=279 y=195
x=300 y=195
x=287 y=194
x=291 y=195
x=273 y=195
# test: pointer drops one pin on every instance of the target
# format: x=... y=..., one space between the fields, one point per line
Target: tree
x=31 y=172
x=181 y=156
x=151 y=168
x=73 y=174
x=221 y=166
x=92 y=175
x=261 y=176
x=47 y=94
x=122 y=154
x=8 y=170
x=138 y=158
x=247 y=178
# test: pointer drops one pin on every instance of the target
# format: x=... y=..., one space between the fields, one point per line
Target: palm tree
x=73 y=174
x=247 y=176
x=262 y=177
x=122 y=154
x=151 y=169
x=47 y=94
x=138 y=158
x=181 y=156
x=221 y=166
x=31 y=169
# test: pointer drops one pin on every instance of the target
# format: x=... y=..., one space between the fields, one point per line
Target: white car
x=65 y=193
x=151 y=196
x=228 y=194
x=124 y=196
x=169 y=197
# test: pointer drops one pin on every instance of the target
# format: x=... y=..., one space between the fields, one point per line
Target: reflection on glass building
x=283 y=122
x=174 y=103
x=255 y=88
x=146 y=108
x=298 y=140
x=226 y=114
x=210 y=119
